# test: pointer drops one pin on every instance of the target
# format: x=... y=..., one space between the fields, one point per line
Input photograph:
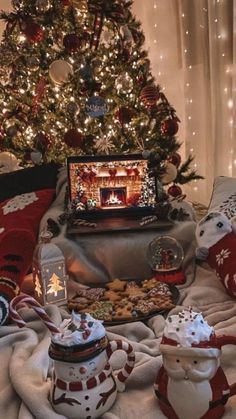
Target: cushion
x=19 y=223
x=27 y=180
x=223 y=197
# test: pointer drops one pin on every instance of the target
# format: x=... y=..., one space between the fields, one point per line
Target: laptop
x=114 y=191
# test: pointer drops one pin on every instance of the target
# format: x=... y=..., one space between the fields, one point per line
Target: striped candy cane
x=31 y=302
x=127 y=369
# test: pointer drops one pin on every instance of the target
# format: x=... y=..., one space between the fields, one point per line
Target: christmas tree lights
x=75 y=79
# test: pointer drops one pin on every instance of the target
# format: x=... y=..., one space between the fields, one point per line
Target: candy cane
x=30 y=301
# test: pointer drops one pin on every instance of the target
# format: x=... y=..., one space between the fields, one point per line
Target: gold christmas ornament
x=170 y=174
x=43 y=5
x=60 y=71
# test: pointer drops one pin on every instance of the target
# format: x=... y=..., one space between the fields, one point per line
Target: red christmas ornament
x=66 y=2
x=42 y=142
x=124 y=115
x=73 y=138
x=149 y=95
x=175 y=159
x=71 y=42
x=174 y=191
x=33 y=31
x=84 y=199
x=169 y=127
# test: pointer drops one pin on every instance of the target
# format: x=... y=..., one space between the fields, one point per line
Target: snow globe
x=165 y=255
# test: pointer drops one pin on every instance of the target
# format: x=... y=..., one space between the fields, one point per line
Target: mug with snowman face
x=83 y=384
x=191 y=382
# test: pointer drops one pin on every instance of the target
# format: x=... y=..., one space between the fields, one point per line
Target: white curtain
x=192 y=48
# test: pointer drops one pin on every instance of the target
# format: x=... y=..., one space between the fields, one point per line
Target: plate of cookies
x=122 y=301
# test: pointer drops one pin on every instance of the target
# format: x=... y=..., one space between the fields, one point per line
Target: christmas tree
x=75 y=79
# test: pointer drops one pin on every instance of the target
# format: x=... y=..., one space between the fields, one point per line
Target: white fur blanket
x=26 y=368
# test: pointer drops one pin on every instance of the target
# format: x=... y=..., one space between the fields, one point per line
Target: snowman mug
x=83 y=383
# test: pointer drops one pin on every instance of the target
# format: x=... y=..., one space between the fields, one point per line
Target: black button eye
x=201 y=233
x=219 y=224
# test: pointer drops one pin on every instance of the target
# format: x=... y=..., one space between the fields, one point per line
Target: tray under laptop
x=117 y=223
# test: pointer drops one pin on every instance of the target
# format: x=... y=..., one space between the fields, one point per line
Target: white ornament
x=8 y=162
x=170 y=174
x=36 y=156
x=104 y=144
x=124 y=83
x=19 y=202
x=60 y=71
x=2 y=229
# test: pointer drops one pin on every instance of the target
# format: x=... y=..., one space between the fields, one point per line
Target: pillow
x=27 y=180
x=19 y=222
x=223 y=197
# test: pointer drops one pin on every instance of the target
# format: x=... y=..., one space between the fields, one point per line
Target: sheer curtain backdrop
x=192 y=49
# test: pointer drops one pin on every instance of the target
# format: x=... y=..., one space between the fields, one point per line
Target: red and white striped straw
x=31 y=302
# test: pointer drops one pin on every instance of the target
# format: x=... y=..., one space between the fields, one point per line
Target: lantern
x=49 y=272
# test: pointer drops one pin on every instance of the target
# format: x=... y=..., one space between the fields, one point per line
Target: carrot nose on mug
x=83 y=370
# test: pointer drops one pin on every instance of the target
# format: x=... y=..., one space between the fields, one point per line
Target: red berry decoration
x=174 y=191
x=33 y=31
x=175 y=159
x=169 y=127
x=73 y=138
x=124 y=115
x=71 y=42
x=149 y=95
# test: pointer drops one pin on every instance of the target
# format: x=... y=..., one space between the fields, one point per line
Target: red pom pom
x=71 y=42
x=174 y=191
x=149 y=95
x=169 y=127
x=175 y=159
x=73 y=138
x=124 y=115
x=33 y=31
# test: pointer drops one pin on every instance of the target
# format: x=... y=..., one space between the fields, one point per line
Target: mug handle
x=129 y=365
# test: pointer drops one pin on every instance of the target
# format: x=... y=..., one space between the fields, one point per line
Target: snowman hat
x=188 y=334
x=80 y=338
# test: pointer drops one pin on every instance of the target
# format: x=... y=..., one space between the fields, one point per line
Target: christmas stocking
x=217 y=245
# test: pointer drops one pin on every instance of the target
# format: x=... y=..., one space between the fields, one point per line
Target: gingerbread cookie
x=111 y=296
x=149 y=283
x=145 y=307
x=116 y=285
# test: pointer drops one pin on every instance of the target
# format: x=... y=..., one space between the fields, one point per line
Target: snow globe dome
x=165 y=255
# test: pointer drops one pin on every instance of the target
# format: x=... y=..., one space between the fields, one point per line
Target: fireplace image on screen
x=110 y=184
x=113 y=197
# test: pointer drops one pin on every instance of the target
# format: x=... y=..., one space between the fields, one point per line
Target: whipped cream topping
x=187 y=328
x=79 y=330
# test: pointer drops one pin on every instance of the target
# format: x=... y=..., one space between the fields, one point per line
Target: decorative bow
x=110 y=9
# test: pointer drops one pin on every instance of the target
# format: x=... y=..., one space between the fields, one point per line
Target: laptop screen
x=109 y=183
